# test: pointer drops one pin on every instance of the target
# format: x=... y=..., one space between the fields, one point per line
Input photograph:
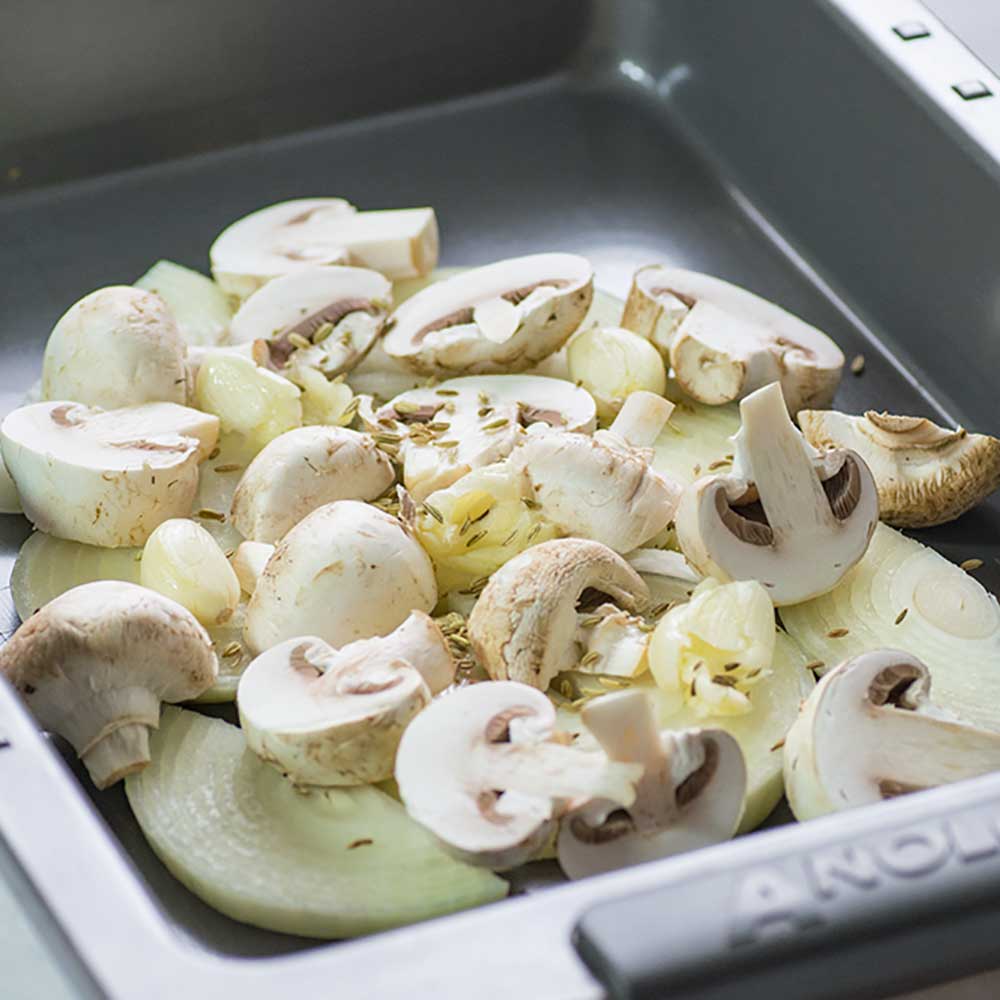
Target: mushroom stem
x=773 y=454
x=641 y=418
x=123 y=751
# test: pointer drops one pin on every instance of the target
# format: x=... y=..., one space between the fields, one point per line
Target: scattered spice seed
x=406 y=406
x=362 y=842
x=731 y=666
x=970 y=564
x=446 y=444
x=660 y=609
x=233 y=649
x=351 y=409
x=229 y=553
x=385 y=438
x=645 y=626
x=778 y=745
x=899 y=618
x=466 y=524
x=297 y=340
x=858 y=364
x=534 y=531
x=228 y=467
x=211 y=515
x=485 y=411
x=697 y=470
x=837 y=633
x=509 y=538
x=214 y=453
x=495 y=425
x=445 y=392
x=138 y=556
x=719 y=463
x=815 y=665
x=484 y=399
x=477 y=537
x=485 y=513
x=753 y=673
x=433 y=511
x=566 y=689
x=591 y=658
x=438 y=425
x=530 y=503
x=322 y=332
x=724 y=680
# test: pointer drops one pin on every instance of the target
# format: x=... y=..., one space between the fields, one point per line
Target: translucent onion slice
x=760 y=732
x=695 y=441
x=47 y=567
x=218 y=478
x=199 y=305
x=906 y=596
x=327 y=864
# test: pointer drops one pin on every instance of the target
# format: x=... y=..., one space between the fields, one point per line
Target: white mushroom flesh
x=783 y=517
x=105 y=477
x=870 y=731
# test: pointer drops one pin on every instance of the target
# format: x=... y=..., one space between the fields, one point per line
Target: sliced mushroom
x=335 y=717
x=304 y=469
x=466 y=423
x=294 y=235
x=785 y=517
x=925 y=474
x=504 y=317
x=614 y=642
x=322 y=317
x=524 y=625
x=869 y=731
x=602 y=487
x=483 y=769
x=346 y=571
x=690 y=794
x=116 y=347
x=725 y=342
x=105 y=477
x=94 y=664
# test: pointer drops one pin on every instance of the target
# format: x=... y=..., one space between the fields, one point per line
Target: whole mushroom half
x=335 y=717
x=602 y=487
x=484 y=770
x=690 y=794
x=504 y=317
x=94 y=664
x=466 y=423
x=116 y=347
x=784 y=516
x=725 y=342
x=869 y=731
x=295 y=235
x=321 y=317
x=301 y=470
x=105 y=477
x=347 y=571
x=925 y=474
x=525 y=624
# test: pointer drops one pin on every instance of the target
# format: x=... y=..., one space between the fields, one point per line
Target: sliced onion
x=695 y=442
x=326 y=864
x=950 y=622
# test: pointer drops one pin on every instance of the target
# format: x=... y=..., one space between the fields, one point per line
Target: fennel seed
x=719 y=463
x=297 y=340
x=697 y=470
x=815 y=665
x=723 y=680
x=970 y=564
x=228 y=467
x=445 y=392
x=495 y=425
x=466 y=524
x=360 y=842
x=837 y=633
x=383 y=437
x=477 y=537
x=484 y=399
x=211 y=515
x=438 y=425
x=591 y=658
x=406 y=406
x=728 y=667
x=778 y=745
x=214 y=453
x=484 y=411
x=858 y=364
x=433 y=511
x=899 y=618
x=534 y=531
x=509 y=539
x=322 y=332
x=233 y=649
x=530 y=503
x=445 y=444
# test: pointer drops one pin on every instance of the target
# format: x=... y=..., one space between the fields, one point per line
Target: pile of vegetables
x=496 y=568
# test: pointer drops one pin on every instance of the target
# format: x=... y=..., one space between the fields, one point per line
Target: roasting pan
x=835 y=156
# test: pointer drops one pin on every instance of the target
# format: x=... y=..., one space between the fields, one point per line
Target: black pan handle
x=863 y=904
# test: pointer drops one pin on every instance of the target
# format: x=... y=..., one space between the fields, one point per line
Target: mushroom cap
x=105 y=477
x=690 y=794
x=925 y=474
x=485 y=417
x=335 y=717
x=101 y=657
x=340 y=310
x=118 y=346
x=294 y=235
x=793 y=521
x=478 y=768
x=725 y=342
x=869 y=732
x=524 y=624
x=596 y=487
x=504 y=317
x=346 y=571
x=301 y=470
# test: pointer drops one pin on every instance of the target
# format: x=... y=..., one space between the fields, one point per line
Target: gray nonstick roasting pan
x=811 y=151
